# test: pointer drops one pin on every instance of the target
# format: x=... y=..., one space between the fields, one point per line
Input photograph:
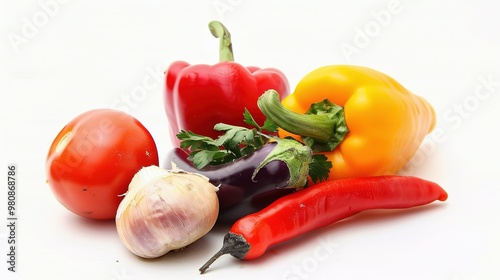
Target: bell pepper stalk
x=364 y=121
x=199 y=96
x=225 y=44
x=328 y=120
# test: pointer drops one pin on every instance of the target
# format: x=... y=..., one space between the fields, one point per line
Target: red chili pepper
x=321 y=205
x=199 y=96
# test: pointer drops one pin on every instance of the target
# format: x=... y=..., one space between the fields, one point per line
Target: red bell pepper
x=199 y=96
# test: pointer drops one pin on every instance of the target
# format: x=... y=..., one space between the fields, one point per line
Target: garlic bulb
x=165 y=210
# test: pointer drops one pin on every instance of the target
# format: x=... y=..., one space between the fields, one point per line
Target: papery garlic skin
x=165 y=210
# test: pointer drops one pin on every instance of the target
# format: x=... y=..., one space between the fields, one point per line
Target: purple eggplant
x=239 y=194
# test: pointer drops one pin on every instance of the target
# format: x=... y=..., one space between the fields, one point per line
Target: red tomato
x=93 y=159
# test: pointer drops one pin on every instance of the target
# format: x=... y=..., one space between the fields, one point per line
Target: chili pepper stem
x=225 y=45
x=322 y=128
x=234 y=244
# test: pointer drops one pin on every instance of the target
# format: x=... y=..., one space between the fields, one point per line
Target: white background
x=59 y=59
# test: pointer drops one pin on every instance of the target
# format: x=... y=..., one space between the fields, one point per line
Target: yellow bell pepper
x=364 y=121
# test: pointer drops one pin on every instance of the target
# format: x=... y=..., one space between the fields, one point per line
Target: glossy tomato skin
x=93 y=159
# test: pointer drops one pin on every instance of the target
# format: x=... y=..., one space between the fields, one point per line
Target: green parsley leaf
x=235 y=136
x=270 y=126
x=193 y=141
x=319 y=168
x=248 y=119
x=235 y=142
x=203 y=158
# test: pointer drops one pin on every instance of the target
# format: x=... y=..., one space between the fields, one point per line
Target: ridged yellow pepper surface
x=377 y=126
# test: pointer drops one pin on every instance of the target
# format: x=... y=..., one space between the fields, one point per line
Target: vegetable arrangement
x=274 y=165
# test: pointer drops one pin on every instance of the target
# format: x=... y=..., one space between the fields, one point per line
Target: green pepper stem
x=225 y=45
x=315 y=126
x=322 y=128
